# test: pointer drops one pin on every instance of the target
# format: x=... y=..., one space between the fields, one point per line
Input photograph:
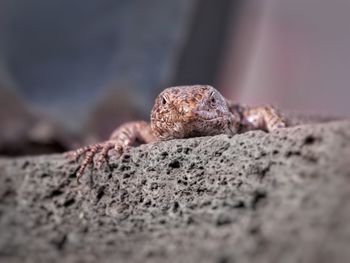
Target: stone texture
x=255 y=197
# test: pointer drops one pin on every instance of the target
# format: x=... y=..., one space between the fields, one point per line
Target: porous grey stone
x=254 y=197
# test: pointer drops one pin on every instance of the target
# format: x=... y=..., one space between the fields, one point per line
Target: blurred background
x=72 y=71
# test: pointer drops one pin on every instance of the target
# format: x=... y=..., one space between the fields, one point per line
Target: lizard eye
x=164 y=101
x=212 y=98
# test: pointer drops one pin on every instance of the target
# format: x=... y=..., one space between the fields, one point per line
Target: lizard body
x=183 y=112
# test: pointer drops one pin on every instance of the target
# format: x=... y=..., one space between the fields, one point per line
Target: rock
x=254 y=197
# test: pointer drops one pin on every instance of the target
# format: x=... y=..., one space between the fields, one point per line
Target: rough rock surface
x=255 y=197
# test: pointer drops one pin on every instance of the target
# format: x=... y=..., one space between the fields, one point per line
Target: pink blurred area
x=295 y=54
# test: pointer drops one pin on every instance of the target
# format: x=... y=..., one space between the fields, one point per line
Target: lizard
x=183 y=112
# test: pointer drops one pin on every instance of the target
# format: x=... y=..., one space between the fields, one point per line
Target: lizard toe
x=103 y=155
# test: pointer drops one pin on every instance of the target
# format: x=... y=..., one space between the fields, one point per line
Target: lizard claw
x=90 y=152
x=75 y=155
x=103 y=154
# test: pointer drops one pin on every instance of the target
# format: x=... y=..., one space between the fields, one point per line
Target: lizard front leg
x=122 y=138
x=264 y=117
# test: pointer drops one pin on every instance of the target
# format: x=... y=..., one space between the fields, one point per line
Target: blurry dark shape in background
x=205 y=46
x=65 y=56
x=25 y=132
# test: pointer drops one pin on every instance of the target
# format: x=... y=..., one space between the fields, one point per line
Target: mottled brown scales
x=183 y=112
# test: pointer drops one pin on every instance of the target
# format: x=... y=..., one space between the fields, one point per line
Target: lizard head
x=190 y=111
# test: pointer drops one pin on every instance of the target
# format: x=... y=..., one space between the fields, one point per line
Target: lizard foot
x=275 y=123
x=263 y=117
x=121 y=139
x=99 y=150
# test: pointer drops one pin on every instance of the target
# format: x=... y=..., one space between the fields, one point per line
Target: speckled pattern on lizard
x=183 y=112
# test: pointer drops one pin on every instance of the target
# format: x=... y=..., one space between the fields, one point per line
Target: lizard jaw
x=209 y=115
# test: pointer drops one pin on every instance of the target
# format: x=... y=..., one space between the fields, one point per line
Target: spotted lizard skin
x=182 y=112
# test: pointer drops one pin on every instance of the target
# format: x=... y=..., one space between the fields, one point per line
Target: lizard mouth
x=203 y=116
x=208 y=116
x=210 y=120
